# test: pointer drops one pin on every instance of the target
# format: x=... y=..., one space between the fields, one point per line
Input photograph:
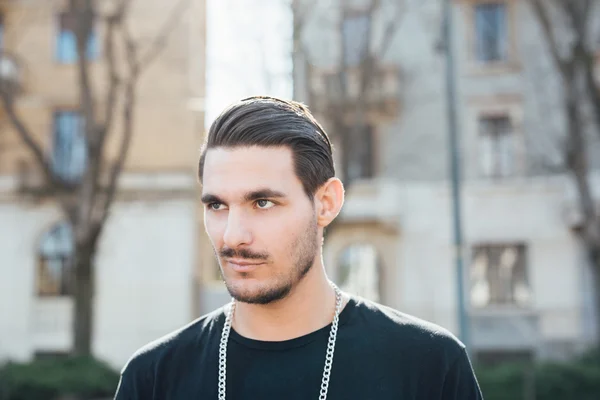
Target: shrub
x=53 y=379
x=578 y=379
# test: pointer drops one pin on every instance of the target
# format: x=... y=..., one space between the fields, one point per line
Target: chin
x=255 y=292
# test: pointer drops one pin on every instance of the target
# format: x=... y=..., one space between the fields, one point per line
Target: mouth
x=240 y=265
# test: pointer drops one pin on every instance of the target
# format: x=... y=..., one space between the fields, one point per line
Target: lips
x=241 y=265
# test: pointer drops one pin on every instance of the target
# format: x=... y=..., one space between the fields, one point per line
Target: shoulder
x=155 y=361
x=145 y=360
x=428 y=354
x=407 y=334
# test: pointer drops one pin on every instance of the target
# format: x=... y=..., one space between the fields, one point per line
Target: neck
x=308 y=307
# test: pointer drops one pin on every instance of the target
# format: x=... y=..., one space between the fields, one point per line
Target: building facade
x=146 y=275
x=528 y=284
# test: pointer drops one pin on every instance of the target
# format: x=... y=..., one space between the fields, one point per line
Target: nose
x=237 y=233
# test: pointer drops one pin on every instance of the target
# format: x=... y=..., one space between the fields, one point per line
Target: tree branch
x=592 y=87
x=578 y=17
x=391 y=28
x=298 y=47
x=84 y=26
x=160 y=41
x=300 y=16
x=586 y=9
x=27 y=136
x=85 y=13
x=368 y=59
x=544 y=18
x=582 y=54
x=112 y=77
x=128 y=114
x=577 y=162
x=117 y=167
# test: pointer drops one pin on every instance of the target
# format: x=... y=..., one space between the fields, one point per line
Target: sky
x=248 y=51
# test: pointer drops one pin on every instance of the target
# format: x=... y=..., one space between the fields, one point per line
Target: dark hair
x=272 y=122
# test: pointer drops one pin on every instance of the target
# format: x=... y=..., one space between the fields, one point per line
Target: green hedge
x=50 y=379
x=87 y=378
x=577 y=380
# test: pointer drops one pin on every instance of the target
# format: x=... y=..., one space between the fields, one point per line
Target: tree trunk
x=589 y=235
x=595 y=267
x=83 y=297
x=576 y=156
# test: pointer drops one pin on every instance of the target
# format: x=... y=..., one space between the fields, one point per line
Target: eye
x=264 y=204
x=216 y=206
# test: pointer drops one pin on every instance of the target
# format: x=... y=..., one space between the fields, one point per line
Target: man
x=269 y=191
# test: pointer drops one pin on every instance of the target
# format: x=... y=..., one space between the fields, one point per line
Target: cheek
x=281 y=233
x=272 y=234
x=268 y=232
x=214 y=229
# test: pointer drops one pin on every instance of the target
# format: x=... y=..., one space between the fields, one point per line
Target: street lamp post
x=455 y=174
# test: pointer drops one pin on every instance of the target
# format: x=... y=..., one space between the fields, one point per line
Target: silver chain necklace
x=328 y=356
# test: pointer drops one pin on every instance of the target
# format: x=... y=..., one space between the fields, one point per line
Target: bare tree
x=86 y=202
x=567 y=27
x=354 y=88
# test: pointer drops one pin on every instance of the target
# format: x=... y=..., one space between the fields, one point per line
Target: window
x=355 y=32
x=70 y=147
x=66 y=42
x=497 y=146
x=499 y=276
x=54 y=261
x=491 y=32
x=359 y=271
x=358 y=157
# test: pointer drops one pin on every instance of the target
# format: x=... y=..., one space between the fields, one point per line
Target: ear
x=329 y=199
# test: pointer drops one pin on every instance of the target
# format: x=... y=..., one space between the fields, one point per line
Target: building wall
x=144 y=277
x=164 y=118
x=405 y=211
x=149 y=255
x=413 y=146
x=415 y=244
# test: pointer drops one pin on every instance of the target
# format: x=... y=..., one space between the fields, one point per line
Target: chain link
x=223 y=352
x=331 y=344
x=328 y=355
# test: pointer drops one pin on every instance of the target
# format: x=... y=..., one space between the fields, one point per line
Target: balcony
x=382 y=94
x=362 y=194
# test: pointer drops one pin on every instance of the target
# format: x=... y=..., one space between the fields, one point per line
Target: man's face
x=261 y=224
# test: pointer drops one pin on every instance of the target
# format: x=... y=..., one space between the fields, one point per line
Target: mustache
x=242 y=253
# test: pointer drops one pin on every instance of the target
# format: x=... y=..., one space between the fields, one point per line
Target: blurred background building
x=373 y=72
x=145 y=281
x=375 y=76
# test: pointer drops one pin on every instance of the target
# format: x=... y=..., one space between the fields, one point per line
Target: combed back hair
x=271 y=122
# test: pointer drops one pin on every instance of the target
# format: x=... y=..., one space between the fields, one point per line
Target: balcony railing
x=341 y=90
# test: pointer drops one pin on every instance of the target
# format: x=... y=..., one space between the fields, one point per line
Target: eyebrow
x=263 y=194
x=210 y=198
x=250 y=196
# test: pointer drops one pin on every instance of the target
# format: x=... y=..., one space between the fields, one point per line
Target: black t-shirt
x=380 y=354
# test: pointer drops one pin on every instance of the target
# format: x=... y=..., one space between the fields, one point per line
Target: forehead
x=236 y=171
